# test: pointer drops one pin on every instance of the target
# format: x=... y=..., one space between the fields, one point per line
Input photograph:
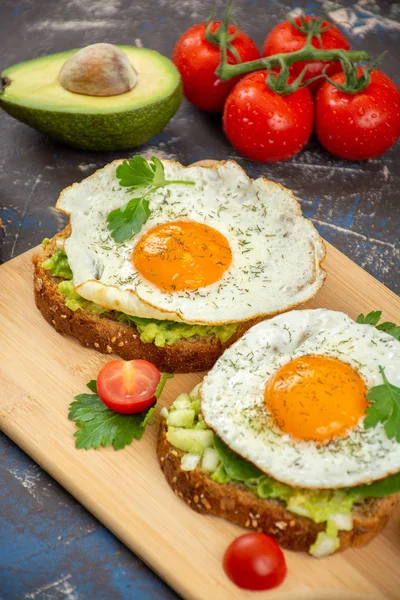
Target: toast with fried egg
x=179 y=272
x=104 y=333
x=235 y=502
x=294 y=431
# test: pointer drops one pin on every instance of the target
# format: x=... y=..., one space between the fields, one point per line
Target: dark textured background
x=50 y=547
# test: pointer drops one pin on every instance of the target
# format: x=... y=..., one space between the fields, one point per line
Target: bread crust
x=237 y=504
x=106 y=335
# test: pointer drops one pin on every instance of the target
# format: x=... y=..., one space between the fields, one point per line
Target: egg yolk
x=182 y=255
x=316 y=398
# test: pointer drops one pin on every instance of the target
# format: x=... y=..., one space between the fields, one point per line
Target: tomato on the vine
x=358 y=126
x=285 y=38
x=254 y=561
x=197 y=60
x=128 y=387
x=264 y=125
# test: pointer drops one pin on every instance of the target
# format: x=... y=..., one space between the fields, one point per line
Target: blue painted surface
x=51 y=547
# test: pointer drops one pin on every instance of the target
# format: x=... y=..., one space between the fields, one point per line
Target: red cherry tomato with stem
x=285 y=38
x=197 y=59
x=358 y=126
x=264 y=125
x=254 y=561
x=128 y=387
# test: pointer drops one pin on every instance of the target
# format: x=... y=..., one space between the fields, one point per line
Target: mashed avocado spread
x=58 y=264
x=332 y=507
x=74 y=301
x=152 y=331
x=163 y=333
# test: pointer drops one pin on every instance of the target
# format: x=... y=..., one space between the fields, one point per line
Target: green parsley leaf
x=138 y=173
x=128 y=220
x=390 y=328
x=135 y=173
x=100 y=426
x=158 y=170
x=379 y=489
x=92 y=385
x=384 y=408
x=235 y=466
x=373 y=318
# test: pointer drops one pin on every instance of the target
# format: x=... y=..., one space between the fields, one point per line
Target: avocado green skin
x=111 y=131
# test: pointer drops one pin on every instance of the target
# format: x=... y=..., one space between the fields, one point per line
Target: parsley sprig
x=379 y=489
x=100 y=426
x=136 y=174
x=385 y=398
x=374 y=317
x=384 y=407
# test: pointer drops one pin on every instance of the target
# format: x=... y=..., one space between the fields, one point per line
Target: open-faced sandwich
x=172 y=264
x=294 y=432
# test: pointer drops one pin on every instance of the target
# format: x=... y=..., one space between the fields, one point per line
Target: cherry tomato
x=358 y=126
x=285 y=38
x=265 y=126
x=197 y=59
x=128 y=387
x=254 y=561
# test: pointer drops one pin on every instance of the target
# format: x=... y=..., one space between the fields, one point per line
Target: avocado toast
x=193 y=349
x=241 y=504
x=284 y=469
x=151 y=277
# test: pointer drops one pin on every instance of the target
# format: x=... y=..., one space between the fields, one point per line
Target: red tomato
x=197 y=59
x=265 y=126
x=254 y=561
x=128 y=387
x=285 y=38
x=358 y=126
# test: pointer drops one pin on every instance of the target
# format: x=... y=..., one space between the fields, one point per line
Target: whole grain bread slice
x=238 y=504
x=105 y=334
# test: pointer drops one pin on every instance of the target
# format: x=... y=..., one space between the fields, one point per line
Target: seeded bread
x=236 y=503
x=105 y=334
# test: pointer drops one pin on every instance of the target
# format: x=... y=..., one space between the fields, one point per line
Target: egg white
x=276 y=253
x=233 y=402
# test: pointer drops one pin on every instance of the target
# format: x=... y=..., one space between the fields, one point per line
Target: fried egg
x=290 y=397
x=226 y=249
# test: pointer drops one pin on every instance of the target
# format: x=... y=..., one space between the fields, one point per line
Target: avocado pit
x=98 y=70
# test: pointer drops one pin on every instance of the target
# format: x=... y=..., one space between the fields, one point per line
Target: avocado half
x=32 y=94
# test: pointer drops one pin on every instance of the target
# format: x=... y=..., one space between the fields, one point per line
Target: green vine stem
x=279 y=82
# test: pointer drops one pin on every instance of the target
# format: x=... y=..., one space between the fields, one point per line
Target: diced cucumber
x=194 y=394
x=195 y=405
x=201 y=424
x=182 y=401
x=210 y=460
x=343 y=521
x=190 y=440
x=181 y=418
x=327 y=542
x=324 y=545
x=298 y=505
x=190 y=461
x=164 y=413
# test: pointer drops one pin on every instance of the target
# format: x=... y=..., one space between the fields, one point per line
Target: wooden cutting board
x=41 y=372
